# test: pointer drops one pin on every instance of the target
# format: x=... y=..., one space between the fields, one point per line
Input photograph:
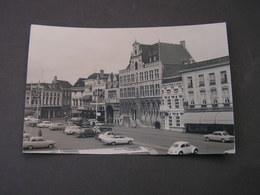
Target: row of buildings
x=161 y=86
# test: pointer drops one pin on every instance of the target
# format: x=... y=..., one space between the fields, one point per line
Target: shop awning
x=225 y=118
x=208 y=118
x=193 y=118
x=87 y=97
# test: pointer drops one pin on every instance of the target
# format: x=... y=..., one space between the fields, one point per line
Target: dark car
x=86 y=133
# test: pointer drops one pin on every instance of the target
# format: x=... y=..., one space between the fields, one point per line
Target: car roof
x=181 y=142
x=36 y=137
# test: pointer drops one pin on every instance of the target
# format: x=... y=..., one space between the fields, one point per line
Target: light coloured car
x=33 y=122
x=44 y=124
x=28 y=118
x=103 y=135
x=222 y=136
x=38 y=142
x=117 y=139
x=182 y=147
x=73 y=129
x=57 y=126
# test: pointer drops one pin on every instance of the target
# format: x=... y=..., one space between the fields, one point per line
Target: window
x=141 y=76
x=54 y=101
x=156 y=74
x=154 y=58
x=203 y=98
x=50 y=100
x=214 y=97
x=125 y=92
x=151 y=90
x=58 y=101
x=146 y=75
x=191 y=99
x=170 y=121
x=151 y=74
x=177 y=103
x=142 y=91
x=212 y=79
x=128 y=78
x=121 y=80
x=201 y=80
x=226 y=96
x=133 y=91
x=178 y=120
x=132 y=78
x=146 y=92
x=175 y=90
x=124 y=79
x=223 y=76
x=136 y=77
x=190 y=83
x=136 y=65
x=157 y=89
x=129 y=92
x=169 y=102
x=121 y=93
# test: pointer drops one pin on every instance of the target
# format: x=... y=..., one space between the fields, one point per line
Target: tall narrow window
x=151 y=90
x=170 y=121
x=133 y=91
x=190 y=83
x=223 y=75
x=201 y=80
x=141 y=76
x=191 y=99
x=156 y=74
x=157 y=89
x=178 y=120
x=214 y=97
x=151 y=74
x=203 y=98
x=141 y=91
x=169 y=102
x=177 y=103
x=146 y=75
x=121 y=93
x=226 y=96
x=136 y=66
x=212 y=80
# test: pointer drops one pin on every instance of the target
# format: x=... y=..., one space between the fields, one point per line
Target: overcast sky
x=72 y=53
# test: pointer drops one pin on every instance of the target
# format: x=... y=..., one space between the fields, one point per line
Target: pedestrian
x=40 y=133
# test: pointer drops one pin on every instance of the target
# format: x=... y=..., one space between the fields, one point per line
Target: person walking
x=40 y=133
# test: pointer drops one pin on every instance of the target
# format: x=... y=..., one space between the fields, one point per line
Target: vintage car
x=57 y=126
x=103 y=135
x=222 y=136
x=44 y=124
x=38 y=142
x=182 y=147
x=117 y=139
x=33 y=122
x=26 y=137
x=72 y=129
x=28 y=118
x=86 y=133
x=102 y=128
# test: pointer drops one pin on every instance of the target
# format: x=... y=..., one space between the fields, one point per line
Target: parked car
x=86 y=133
x=57 y=126
x=44 y=124
x=117 y=139
x=33 y=122
x=26 y=137
x=182 y=147
x=28 y=118
x=72 y=129
x=222 y=136
x=38 y=142
x=103 y=135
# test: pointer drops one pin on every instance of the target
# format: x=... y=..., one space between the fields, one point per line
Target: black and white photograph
x=137 y=91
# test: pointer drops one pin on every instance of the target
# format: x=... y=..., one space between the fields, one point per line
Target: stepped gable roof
x=79 y=82
x=64 y=84
x=205 y=64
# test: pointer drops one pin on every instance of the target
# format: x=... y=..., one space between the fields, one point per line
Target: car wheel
x=180 y=153
x=130 y=142
x=113 y=143
x=30 y=147
x=223 y=140
x=207 y=139
x=50 y=146
x=196 y=151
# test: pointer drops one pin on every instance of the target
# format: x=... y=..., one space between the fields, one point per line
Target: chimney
x=55 y=80
x=101 y=74
x=183 y=44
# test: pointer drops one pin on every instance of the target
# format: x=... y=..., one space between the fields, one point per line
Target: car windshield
x=225 y=133
x=175 y=145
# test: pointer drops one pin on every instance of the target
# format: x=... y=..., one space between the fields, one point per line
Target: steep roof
x=64 y=84
x=173 y=53
x=79 y=82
